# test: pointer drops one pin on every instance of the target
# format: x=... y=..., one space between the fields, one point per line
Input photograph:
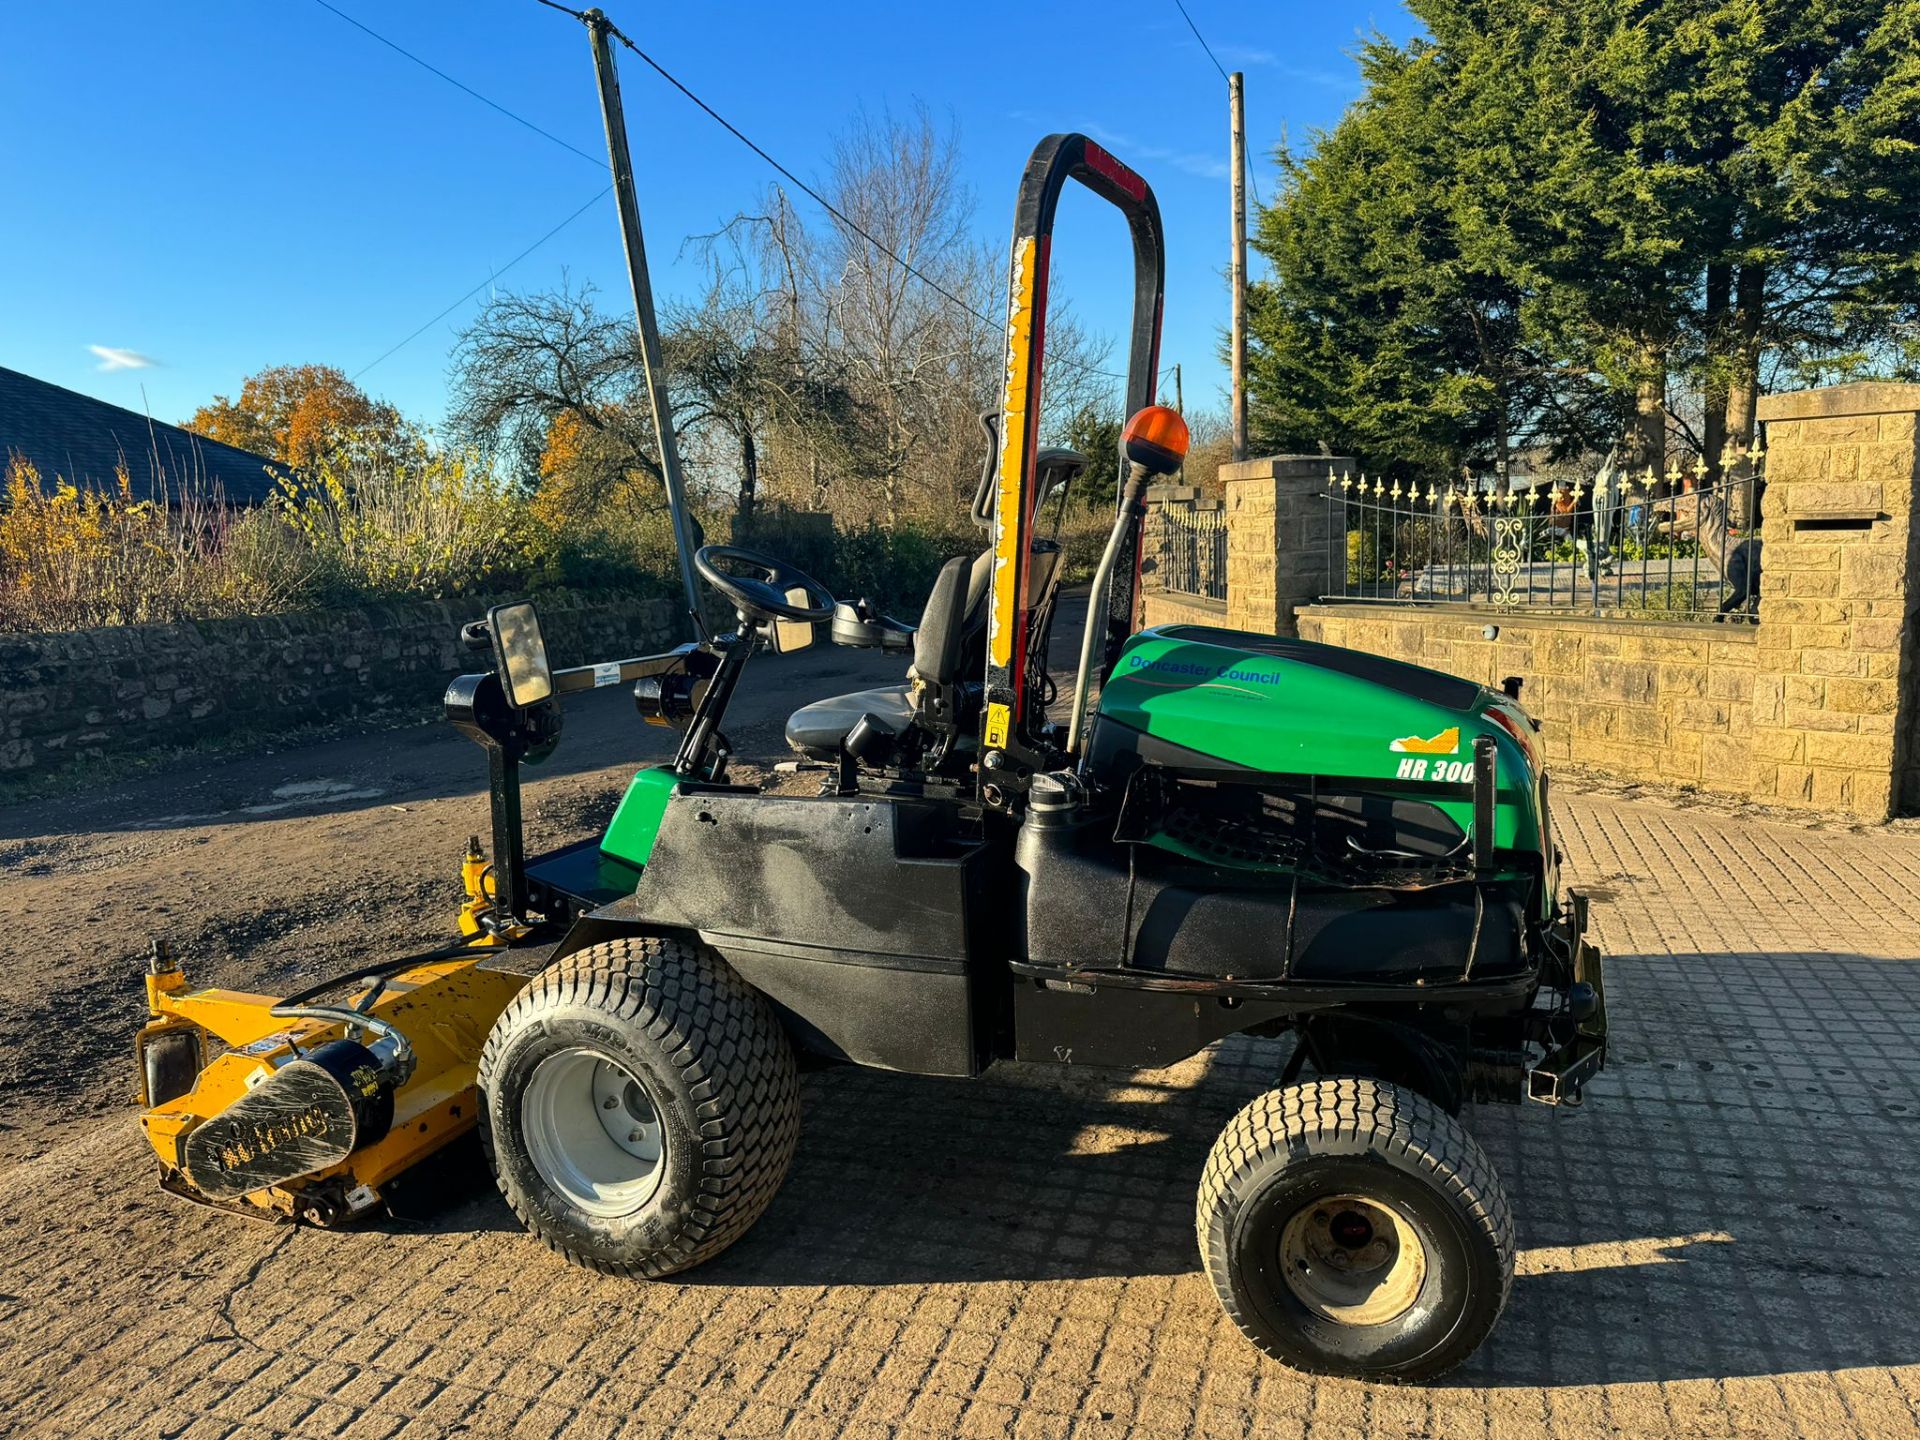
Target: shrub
x=429 y=524
x=893 y=568
x=72 y=558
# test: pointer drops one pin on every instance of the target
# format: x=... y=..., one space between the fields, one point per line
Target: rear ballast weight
x=1245 y=835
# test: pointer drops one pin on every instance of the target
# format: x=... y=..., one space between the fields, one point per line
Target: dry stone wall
x=123 y=691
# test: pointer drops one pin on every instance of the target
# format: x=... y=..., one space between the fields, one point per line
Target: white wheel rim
x=1353 y=1260
x=593 y=1132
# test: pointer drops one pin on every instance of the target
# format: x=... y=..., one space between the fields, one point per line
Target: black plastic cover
x=308 y=1115
x=864 y=920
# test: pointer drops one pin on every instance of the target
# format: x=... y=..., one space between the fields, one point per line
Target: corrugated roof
x=81 y=439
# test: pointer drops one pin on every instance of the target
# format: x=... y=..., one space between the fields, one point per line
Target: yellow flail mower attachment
x=302 y=1108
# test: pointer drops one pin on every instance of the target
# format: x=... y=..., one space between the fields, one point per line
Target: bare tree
x=528 y=360
x=840 y=367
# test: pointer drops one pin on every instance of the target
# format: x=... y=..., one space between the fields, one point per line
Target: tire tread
x=732 y=1054
x=1309 y=1117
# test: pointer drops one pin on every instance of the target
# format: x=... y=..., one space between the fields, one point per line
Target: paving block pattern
x=1719 y=1244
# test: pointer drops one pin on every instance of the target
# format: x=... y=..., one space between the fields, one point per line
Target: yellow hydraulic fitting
x=164 y=975
x=478 y=925
x=473 y=879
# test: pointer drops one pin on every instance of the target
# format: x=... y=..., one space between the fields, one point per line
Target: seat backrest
x=978 y=580
x=936 y=644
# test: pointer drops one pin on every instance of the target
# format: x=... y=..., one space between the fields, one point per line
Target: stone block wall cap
x=1266 y=466
x=1858 y=397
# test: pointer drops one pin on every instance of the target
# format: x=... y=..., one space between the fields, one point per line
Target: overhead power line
x=1252 y=180
x=492 y=104
x=415 y=335
x=806 y=189
x=1198 y=36
x=596 y=161
x=600 y=161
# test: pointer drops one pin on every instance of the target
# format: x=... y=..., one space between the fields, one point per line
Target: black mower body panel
x=894 y=933
x=865 y=920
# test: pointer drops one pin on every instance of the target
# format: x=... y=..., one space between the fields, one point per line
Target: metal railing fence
x=1678 y=547
x=1191 y=556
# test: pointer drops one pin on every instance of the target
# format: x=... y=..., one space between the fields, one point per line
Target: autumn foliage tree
x=298 y=413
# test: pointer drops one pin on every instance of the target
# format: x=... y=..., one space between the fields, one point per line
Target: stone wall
x=1837 y=703
x=1165 y=607
x=129 y=690
x=1644 y=701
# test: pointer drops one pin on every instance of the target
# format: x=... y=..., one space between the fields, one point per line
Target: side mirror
x=791 y=635
x=519 y=654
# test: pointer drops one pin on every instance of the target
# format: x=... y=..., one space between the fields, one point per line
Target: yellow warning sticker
x=999 y=725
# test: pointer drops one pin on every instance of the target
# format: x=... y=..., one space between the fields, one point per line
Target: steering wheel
x=761 y=592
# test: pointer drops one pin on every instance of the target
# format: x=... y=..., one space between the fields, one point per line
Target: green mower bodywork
x=1294 y=707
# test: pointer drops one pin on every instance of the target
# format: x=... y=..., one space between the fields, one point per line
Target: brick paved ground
x=1722 y=1243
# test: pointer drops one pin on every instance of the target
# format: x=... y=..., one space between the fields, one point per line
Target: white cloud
x=112 y=358
x=1208 y=167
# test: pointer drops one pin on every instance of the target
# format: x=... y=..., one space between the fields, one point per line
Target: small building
x=84 y=441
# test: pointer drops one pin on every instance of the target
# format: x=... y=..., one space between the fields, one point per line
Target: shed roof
x=81 y=440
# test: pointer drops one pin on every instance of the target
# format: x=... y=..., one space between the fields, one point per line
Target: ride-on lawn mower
x=1244 y=835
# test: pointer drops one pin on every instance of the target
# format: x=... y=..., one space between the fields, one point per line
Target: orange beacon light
x=1156 y=439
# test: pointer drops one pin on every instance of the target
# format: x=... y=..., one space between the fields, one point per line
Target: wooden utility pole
x=1180 y=405
x=1238 y=119
x=636 y=247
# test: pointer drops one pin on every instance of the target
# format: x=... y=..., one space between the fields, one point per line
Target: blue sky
x=221 y=186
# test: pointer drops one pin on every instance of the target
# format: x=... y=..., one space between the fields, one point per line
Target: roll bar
x=1008 y=729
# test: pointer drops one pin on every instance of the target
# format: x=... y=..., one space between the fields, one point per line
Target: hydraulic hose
x=400 y=1062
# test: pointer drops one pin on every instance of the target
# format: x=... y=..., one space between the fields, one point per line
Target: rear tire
x=1351 y=1227
x=639 y=1106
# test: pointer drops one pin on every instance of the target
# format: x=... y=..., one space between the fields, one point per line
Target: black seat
x=955 y=616
x=950 y=643
x=819 y=729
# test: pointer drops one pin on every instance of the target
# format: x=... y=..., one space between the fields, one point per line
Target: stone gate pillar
x=1836 y=693
x=1278 y=535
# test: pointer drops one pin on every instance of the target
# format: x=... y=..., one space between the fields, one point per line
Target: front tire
x=639 y=1106
x=1352 y=1227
